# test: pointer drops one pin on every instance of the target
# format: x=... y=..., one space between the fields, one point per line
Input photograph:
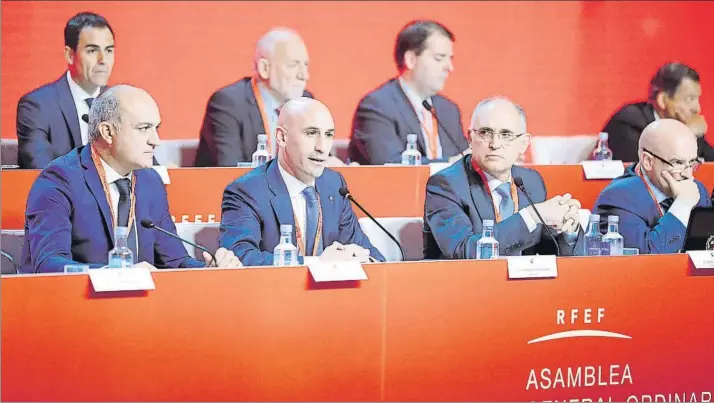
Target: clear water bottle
x=593 y=238
x=602 y=151
x=285 y=254
x=261 y=155
x=487 y=246
x=121 y=256
x=612 y=241
x=411 y=156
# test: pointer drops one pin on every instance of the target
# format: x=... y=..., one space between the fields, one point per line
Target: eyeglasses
x=487 y=134
x=678 y=164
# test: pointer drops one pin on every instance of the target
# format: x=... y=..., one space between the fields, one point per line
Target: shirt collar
x=658 y=194
x=269 y=102
x=295 y=186
x=493 y=183
x=78 y=93
x=414 y=99
x=655 y=114
x=111 y=174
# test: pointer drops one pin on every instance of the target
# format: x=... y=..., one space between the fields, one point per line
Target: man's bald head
x=665 y=135
x=304 y=135
x=667 y=145
x=280 y=63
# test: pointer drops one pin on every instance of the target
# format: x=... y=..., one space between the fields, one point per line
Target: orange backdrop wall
x=569 y=63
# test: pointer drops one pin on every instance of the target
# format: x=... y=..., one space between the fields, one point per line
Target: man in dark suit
x=674 y=94
x=655 y=196
x=49 y=119
x=80 y=197
x=482 y=187
x=384 y=117
x=236 y=114
x=294 y=189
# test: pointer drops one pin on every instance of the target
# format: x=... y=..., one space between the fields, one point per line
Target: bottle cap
x=488 y=223
x=603 y=136
x=412 y=138
x=262 y=137
x=613 y=219
x=286 y=228
x=594 y=217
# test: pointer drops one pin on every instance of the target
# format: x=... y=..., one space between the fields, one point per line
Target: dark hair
x=80 y=21
x=413 y=37
x=669 y=77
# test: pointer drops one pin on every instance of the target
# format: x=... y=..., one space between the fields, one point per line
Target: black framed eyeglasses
x=678 y=164
x=486 y=134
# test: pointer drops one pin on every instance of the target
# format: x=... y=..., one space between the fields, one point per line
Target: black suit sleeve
x=221 y=129
x=623 y=139
x=374 y=137
x=33 y=135
x=706 y=151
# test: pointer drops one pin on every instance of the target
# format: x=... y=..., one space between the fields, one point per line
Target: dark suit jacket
x=457 y=202
x=230 y=126
x=625 y=127
x=640 y=223
x=385 y=116
x=68 y=219
x=256 y=204
x=47 y=124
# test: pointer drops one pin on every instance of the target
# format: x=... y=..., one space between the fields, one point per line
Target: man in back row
x=674 y=94
x=236 y=114
x=423 y=53
x=79 y=198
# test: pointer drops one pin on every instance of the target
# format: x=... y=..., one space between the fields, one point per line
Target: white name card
x=335 y=271
x=702 y=259
x=163 y=173
x=130 y=279
x=603 y=169
x=532 y=267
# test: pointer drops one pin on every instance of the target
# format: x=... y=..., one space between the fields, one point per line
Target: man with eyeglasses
x=482 y=187
x=655 y=196
x=673 y=94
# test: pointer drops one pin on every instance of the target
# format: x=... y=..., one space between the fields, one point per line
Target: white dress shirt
x=678 y=208
x=79 y=95
x=426 y=119
x=297 y=199
x=493 y=183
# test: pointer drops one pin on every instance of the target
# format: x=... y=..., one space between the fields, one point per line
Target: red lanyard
x=514 y=191
x=261 y=109
x=649 y=189
x=103 y=178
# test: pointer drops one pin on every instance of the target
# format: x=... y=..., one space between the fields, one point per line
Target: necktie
x=313 y=212
x=123 y=209
x=666 y=204
x=506 y=205
x=89 y=102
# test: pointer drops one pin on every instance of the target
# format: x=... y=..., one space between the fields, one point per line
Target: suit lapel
x=145 y=249
x=330 y=213
x=479 y=194
x=66 y=104
x=250 y=139
x=94 y=183
x=408 y=113
x=282 y=206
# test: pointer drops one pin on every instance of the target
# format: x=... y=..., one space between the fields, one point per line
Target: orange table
x=449 y=331
x=386 y=191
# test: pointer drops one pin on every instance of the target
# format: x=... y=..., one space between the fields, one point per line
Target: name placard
x=603 y=169
x=335 y=271
x=538 y=266
x=128 y=279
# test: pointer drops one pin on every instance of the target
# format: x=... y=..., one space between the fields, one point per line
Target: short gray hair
x=105 y=108
x=266 y=44
x=481 y=105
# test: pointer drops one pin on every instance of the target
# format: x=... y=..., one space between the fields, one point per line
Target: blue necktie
x=89 y=101
x=666 y=204
x=313 y=212
x=124 y=187
x=506 y=205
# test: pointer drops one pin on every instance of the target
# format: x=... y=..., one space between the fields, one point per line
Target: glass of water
x=76 y=268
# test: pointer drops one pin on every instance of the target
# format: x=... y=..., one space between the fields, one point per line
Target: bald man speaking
x=236 y=114
x=655 y=196
x=295 y=188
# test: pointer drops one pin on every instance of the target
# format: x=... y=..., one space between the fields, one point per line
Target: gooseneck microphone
x=346 y=194
x=150 y=225
x=431 y=110
x=519 y=183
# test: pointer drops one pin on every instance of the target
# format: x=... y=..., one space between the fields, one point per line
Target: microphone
x=519 y=183
x=346 y=194
x=8 y=257
x=85 y=118
x=150 y=225
x=431 y=110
